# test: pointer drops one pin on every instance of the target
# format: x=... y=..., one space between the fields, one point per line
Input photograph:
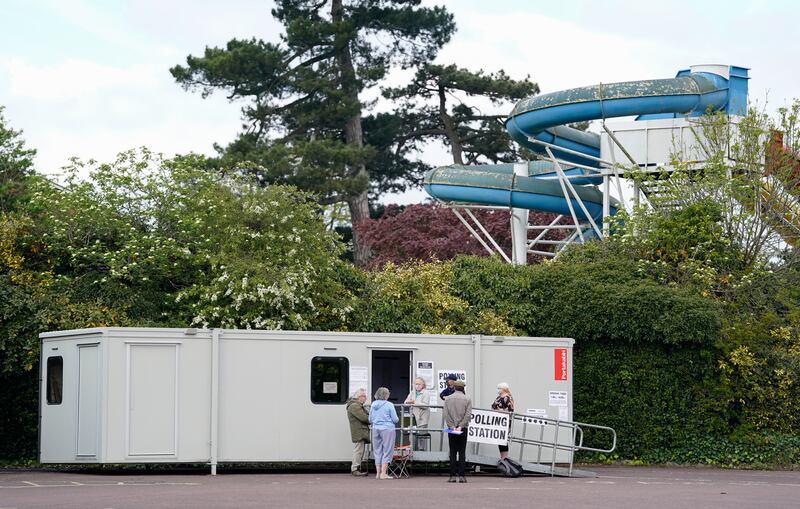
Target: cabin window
x=55 y=380
x=330 y=377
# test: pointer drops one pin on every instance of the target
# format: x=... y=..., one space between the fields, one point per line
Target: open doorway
x=392 y=369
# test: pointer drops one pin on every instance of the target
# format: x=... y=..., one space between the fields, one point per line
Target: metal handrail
x=575 y=429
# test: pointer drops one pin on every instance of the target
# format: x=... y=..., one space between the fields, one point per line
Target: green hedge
x=603 y=300
x=650 y=394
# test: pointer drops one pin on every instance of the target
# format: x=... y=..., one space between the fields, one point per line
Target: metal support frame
x=519 y=225
x=521 y=245
x=497 y=248
x=566 y=183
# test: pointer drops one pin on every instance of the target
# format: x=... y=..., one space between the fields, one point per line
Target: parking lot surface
x=617 y=487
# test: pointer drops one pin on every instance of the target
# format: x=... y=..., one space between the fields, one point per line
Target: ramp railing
x=544 y=443
x=547 y=440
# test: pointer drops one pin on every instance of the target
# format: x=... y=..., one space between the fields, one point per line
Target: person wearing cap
x=457 y=414
x=451 y=378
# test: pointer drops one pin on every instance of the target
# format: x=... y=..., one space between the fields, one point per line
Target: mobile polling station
x=156 y=395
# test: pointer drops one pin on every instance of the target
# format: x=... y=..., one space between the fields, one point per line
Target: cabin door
x=392 y=369
x=88 y=400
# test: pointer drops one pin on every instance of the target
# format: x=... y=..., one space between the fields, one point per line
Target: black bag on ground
x=509 y=468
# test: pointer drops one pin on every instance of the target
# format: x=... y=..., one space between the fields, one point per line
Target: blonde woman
x=420 y=396
x=505 y=403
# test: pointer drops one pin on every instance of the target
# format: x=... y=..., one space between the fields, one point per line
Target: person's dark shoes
x=358 y=473
x=462 y=479
x=452 y=479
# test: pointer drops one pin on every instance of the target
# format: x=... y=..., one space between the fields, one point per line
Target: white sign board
x=425 y=371
x=442 y=378
x=533 y=415
x=558 y=398
x=358 y=379
x=487 y=427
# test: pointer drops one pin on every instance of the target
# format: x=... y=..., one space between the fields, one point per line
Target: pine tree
x=305 y=105
x=428 y=111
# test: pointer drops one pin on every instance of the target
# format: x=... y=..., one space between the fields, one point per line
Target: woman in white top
x=419 y=396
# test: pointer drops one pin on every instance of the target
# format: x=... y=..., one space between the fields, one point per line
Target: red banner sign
x=560 y=363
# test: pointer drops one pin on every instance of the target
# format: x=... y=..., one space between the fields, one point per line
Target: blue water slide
x=496 y=184
x=543 y=118
x=537 y=116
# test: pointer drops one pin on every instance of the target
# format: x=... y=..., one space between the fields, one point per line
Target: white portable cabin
x=148 y=395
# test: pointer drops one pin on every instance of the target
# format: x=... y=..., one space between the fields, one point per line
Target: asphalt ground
x=617 y=487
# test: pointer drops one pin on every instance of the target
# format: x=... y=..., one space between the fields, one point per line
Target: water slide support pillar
x=606 y=202
x=519 y=225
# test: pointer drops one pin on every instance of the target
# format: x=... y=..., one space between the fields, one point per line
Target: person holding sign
x=505 y=403
x=383 y=417
x=419 y=396
x=457 y=413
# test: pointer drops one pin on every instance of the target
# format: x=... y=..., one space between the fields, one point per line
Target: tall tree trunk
x=450 y=128
x=359 y=203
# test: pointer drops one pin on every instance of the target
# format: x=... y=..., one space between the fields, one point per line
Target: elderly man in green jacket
x=358 y=415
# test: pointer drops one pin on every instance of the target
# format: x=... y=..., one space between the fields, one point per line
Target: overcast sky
x=90 y=78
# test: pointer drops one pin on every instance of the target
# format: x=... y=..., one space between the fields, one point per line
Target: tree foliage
x=751 y=173
x=304 y=110
x=418 y=298
x=16 y=162
x=430 y=232
x=205 y=249
x=435 y=105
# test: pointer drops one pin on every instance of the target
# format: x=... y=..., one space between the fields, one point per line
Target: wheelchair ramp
x=541 y=445
x=490 y=461
x=532 y=468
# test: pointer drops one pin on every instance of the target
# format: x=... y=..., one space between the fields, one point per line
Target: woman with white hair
x=383 y=417
x=419 y=396
x=359 y=428
x=504 y=403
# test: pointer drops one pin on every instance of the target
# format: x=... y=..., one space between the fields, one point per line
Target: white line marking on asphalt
x=29 y=485
x=600 y=482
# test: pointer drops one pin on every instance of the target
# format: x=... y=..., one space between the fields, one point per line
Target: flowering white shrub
x=209 y=249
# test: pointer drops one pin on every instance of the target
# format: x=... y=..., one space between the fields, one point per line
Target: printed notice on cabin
x=535 y=415
x=358 y=379
x=558 y=398
x=425 y=371
x=330 y=387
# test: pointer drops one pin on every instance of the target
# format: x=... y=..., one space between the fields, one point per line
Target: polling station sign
x=442 y=379
x=487 y=427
